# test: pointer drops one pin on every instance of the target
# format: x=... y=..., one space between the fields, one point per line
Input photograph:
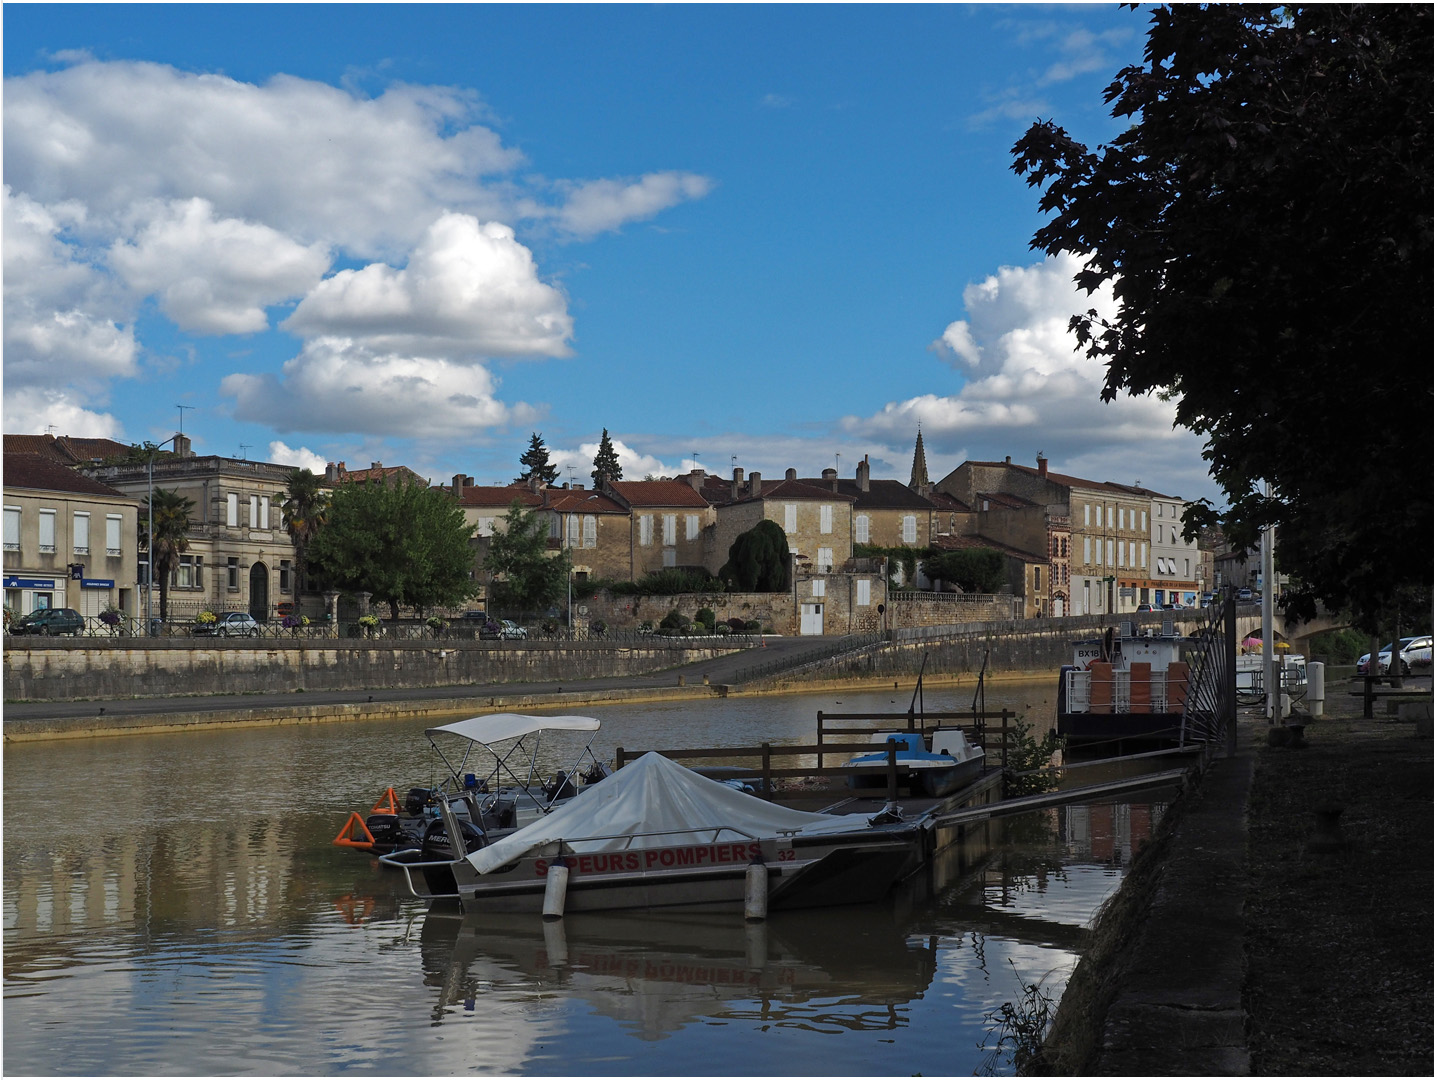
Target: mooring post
x=892 y=772
x=767 y=769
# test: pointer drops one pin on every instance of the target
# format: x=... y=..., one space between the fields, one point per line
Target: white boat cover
x=656 y=795
x=499 y=726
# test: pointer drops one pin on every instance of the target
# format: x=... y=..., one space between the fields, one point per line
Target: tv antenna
x=244 y=451
x=182 y=409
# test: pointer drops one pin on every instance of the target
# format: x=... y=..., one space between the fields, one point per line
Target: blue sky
x=769 y=236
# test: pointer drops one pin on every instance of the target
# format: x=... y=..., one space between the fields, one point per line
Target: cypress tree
x=606 y=461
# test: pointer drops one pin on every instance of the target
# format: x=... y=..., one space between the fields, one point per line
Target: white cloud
x=215 y=276
x=30 y=410
x=636 y=464
x=1028 y=390
x=468 y=290
x=301 y=457
x=338 y=385
x=597 y=206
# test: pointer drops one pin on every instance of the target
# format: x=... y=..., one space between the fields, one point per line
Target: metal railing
x=845 y=646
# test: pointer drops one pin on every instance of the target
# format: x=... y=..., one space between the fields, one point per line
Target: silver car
x=231 y=624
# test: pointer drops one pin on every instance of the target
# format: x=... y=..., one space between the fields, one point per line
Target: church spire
x=919 y=481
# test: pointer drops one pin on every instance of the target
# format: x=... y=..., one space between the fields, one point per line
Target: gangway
x=1086 y=793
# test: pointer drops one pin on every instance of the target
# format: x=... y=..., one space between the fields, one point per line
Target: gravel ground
x=1339 y=942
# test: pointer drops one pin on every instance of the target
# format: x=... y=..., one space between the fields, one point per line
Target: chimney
x=1007 y=459
x=331 y=474
x=696 y=480
x=535 y=483
x=831 y=475
x=456 y=485
x=376 y=466
x=737 y=483
x=862 y=474
x=182 y=447
x=1042 y=466
x=755 y=485
x=790 y=474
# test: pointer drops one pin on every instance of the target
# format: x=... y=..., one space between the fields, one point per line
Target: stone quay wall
x=90 y=669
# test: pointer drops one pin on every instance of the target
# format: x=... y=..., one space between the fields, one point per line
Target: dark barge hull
x=1149 y=729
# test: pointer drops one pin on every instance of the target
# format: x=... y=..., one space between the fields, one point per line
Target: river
x=173 y=905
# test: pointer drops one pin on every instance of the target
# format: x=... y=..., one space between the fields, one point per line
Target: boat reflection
x=657 y=974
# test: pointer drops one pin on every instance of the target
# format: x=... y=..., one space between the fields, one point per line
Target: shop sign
x=29 y=583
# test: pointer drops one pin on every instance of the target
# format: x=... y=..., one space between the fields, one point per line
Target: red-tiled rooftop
x=658 y=493
x=41 y=472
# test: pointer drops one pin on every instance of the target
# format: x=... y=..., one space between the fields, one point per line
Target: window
x=556 y=527
x=910 y=529
x=691 y=526
x=1037 y=578
x=1120 y=552
x=1109 y=560
x=232 y=510
x=670 y=557
x=254 y=511
x=1187 y=568
x=646 y=529
x=575 y=524
x=1110 y=517
x=232 y=574
x=1160 y=509
x=1145 y=521
x=820 y=588
x=825 y=560
x=1143 y=549
x=285 y=570
x=861 y=592
x=12 y=528
x=112 y=534
x=825 y=518
x=185 y=573
x=47 y=532
x=671 y=532
x=790 y=517
x=591 y=530
x=1172 y=530
x=1132 y=553
x=80 y=541
x=264 y=511
x=1087 y=513
x=860 y=529
x=1087 y=551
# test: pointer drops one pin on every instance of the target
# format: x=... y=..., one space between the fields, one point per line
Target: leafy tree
x=606 y=461
x=526 y=574
x=536 y=462
x=304 y=507
x=1266 y=226
x=170 y=537
x=402 y=541
x=977 y=570
x=758 y=559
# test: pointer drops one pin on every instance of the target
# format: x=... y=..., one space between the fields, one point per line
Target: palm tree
x=171 y=539
x=305 y=508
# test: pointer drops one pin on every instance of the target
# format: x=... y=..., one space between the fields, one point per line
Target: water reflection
x=173 y=904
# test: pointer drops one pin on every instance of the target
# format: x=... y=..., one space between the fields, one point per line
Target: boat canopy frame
x=524 y=734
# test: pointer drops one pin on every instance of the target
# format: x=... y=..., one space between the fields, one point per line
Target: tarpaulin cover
x=656 y=795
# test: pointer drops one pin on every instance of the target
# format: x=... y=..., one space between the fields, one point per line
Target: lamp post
x=150 y=541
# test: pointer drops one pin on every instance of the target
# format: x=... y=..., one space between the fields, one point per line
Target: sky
x=759 y=236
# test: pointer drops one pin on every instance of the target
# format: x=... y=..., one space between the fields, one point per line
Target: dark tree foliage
x=977 y=570
x=758 y=559
x=536 y=462
x=402 y=541
x=1266 y=226
x=303 y=506
x=171 y=538
x=606 y=461
x=527 y=575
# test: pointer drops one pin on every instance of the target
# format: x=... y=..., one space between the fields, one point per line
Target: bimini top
x=657 y=796
x=507 y=725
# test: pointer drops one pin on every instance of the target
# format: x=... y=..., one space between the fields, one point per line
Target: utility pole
x=1270 y=676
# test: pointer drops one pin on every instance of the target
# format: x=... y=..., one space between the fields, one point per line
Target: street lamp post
x=150 y=541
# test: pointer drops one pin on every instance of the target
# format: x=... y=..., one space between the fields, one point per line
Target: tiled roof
x=1013 y=502
x=1076 y=481
x=65 y=448
x=960 y=543
x=943 y=501
x=881 y=494
x=41 y=472
x=657 y=493
x=564 y=500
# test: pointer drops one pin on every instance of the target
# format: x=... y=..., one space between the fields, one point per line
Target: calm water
x=173 y=905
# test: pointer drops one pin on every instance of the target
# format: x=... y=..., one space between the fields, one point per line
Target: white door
x=810 y=621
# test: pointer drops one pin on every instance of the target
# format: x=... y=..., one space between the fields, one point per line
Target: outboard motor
x=436 y=840
x=415 y=801
x=386 y=830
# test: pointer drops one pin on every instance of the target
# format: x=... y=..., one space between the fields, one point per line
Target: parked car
x=60 y=620
x=472 y=616
x=1416 y=652
x=504 y=629
x=1146 y=607
x=231 y=624
x=1244 y=594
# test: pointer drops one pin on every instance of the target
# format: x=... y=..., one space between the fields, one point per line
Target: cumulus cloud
x=1027 y=390
x=636 y=464
x=214 y=276
x=301 y=457
x=468 y=290
x=31 y=410
x=597 y=206
x=339 y=385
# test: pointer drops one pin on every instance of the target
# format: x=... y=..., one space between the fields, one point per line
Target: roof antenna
x=244 y=451
x=182 y=409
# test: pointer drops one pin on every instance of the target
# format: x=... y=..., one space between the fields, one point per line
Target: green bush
x=707 y=617
x=1339 y=646
x=675 y=620
x=671 y=582
x=753 y=626
x=1027 y=754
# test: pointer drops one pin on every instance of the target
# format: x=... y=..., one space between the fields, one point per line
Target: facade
x=886 y=513
x=1176 y=575
x=671 y=524
x=70 y=541
x=1027 y=572
x=240 y=555
x=816 y=520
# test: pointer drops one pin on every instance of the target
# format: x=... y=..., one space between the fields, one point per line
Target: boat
x=658 y=835
x=939 y=767
x=1251 y=668
x=1126 y=688
x=495 y=784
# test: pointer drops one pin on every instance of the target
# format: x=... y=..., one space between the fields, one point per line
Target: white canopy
x=499 y=726
x=656 y=795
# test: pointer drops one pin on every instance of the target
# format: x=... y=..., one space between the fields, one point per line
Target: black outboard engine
x=436 y=840
x=416 y=800
x=386 y=830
